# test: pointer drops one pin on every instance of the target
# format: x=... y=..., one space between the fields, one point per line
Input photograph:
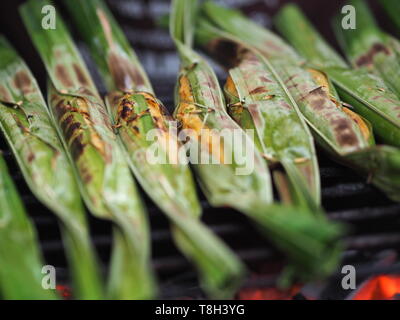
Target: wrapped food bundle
x=105 y=182
x=137 y=115
x=26 y=124
x=347 y=135
x=298 y=228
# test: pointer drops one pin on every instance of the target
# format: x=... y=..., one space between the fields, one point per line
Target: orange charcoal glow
x=383 y=287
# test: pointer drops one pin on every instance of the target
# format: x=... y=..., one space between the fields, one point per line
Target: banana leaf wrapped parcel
x=369 y=95
x=369 y=48
x=138 y=115
x=20 y=258
x=231 y=178
x=26 y=124
x=258 y=100
x=105 y=181
x=346 y=135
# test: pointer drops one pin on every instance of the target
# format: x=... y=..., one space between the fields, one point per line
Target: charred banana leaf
x=336 y=128
x=104 y=177
x=20 y=258
x=26 y=124
x=323 y=115
x=258 y=100
x=367 y=47
x=240 y=182
x=368 y=94
x=144 y=125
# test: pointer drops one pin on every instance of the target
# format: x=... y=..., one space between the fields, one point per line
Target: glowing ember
x=268 y=294
x=64 y=291
x=379 y=288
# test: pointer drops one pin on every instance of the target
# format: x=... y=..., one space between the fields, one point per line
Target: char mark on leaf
x=344 y=132
x=368 y=58
x=258 y=90
x=23 y=82
x=80 y=75
x=126 y=76
x=77 y=147
x=63 y=76
x=66 y=123
x=4 y=94
x=225 y=52
x=72 y=129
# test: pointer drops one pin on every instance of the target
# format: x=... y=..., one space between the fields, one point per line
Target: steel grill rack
x=373 y=244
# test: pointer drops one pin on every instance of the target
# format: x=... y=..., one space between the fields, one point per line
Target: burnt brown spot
x=344 y=132
x=67 y=122
x=317 y=98
x=253 y=109
x=225 y=52
x=86 y=91
x=135 y=128
x=211 y=82
x=80 y=75
x=271 y=45
x=368 y=58
x=293 y=86
x=61 y=108
x=265 y=79
x=20 y=124
x=286 y=106
x=77 y=147
x=291 y=78
x=258 y=90
x=23 y=82
x=87 y=177
x=31 y=157
x=63 y=76
x=248 y=57
x=125 y=112
x=125 y=75
x=73 y=128
x=4 y=95
x=318 y=104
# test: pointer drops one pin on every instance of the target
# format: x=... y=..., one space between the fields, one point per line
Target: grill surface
x=373 y=219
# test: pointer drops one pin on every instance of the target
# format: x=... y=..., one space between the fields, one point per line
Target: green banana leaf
x=254 y=91
x=20 y=258
x=137 y=114
x=368 y=47
x=298 y=79
x=326 y=119
x=368 y=94
x=370 y=97
x=104 y=176
x=26 y=124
